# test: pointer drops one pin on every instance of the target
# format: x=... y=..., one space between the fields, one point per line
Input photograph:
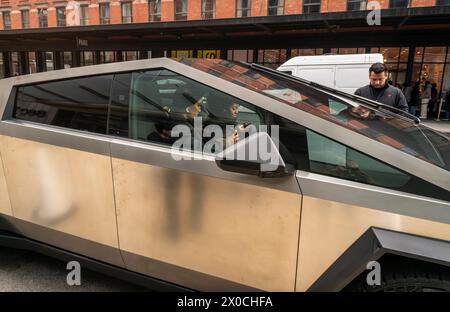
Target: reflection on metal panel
x=329 y=228
x=62 y=189
x=5 y=206
x=239 y=232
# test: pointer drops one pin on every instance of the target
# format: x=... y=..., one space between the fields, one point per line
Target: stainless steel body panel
x=64 y=189
x=190 y=216
x=5 y=205
x=335 y=213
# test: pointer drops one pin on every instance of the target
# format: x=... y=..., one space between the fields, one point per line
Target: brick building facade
x=20 y=14
x=43 y=35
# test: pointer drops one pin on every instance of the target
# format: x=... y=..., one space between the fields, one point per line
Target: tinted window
x=161 y=99
x=80 y=104
x=377 y=124
x=312 y=152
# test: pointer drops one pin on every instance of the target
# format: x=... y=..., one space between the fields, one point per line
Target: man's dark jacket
x=388 y=95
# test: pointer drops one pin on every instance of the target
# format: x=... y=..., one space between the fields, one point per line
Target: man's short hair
x=378 y=68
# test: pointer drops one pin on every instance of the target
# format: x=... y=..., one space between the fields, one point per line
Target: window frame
x=154 y=16
x=351 y=3
x=61 y=22
x=43 y=17
x=25 y=21
x=126 y=19
x=271 y=8
x=240 y=9
x=180 y=15
x=208 y=14
x=84 y=18
x=104 y=11
x=309 y=4
x=6 y=25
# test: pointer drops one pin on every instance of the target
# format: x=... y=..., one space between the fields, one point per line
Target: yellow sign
x=208 y=54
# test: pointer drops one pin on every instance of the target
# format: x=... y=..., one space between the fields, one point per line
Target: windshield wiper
x=373 y=104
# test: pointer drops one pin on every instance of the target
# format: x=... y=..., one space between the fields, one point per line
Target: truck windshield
x=387 y=128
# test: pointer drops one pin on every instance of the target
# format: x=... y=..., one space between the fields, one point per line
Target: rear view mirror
x=255 y=155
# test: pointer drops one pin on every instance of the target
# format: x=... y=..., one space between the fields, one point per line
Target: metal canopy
x=416 y=25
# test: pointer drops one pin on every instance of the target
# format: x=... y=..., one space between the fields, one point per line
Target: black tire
x=410 y=277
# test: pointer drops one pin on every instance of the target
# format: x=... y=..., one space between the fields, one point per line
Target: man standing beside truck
x=380 y=91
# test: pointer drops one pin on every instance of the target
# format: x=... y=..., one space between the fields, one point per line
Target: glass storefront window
x=434 y=54
x=67 y=59
x=32 y=67
x=129 y=55
x=418 y=54
x=2 y=67
x=87 y=58
x=107 y=57
x=446 y=80
x=15 y=64
x=272 y=58
x=306 y=52
x=390 y=54
x=404 y=53
x=49 y=61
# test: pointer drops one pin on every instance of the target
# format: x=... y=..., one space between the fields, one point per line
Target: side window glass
x=334 y=159
x=315 y=153
x=161 y=100
x=120 y=99
x=80 y=104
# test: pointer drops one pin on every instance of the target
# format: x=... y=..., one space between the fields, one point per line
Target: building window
x=275 y=7
x=107 y=57
x=127 y=13
x=6 y=20
x=25 y=16
x=180 y=10
x=243 y=8
x=84 y=15
x=104 y=13
x=208 y=9
x=399 y=3
x=356 y=5
x=154 y=10
x=443 y=2
x=42 y=16
x=311 y=6
x=61 y=16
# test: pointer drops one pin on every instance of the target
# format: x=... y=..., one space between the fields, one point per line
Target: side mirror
x=255 y=155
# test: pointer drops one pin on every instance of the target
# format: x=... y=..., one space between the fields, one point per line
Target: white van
x=342 y=72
